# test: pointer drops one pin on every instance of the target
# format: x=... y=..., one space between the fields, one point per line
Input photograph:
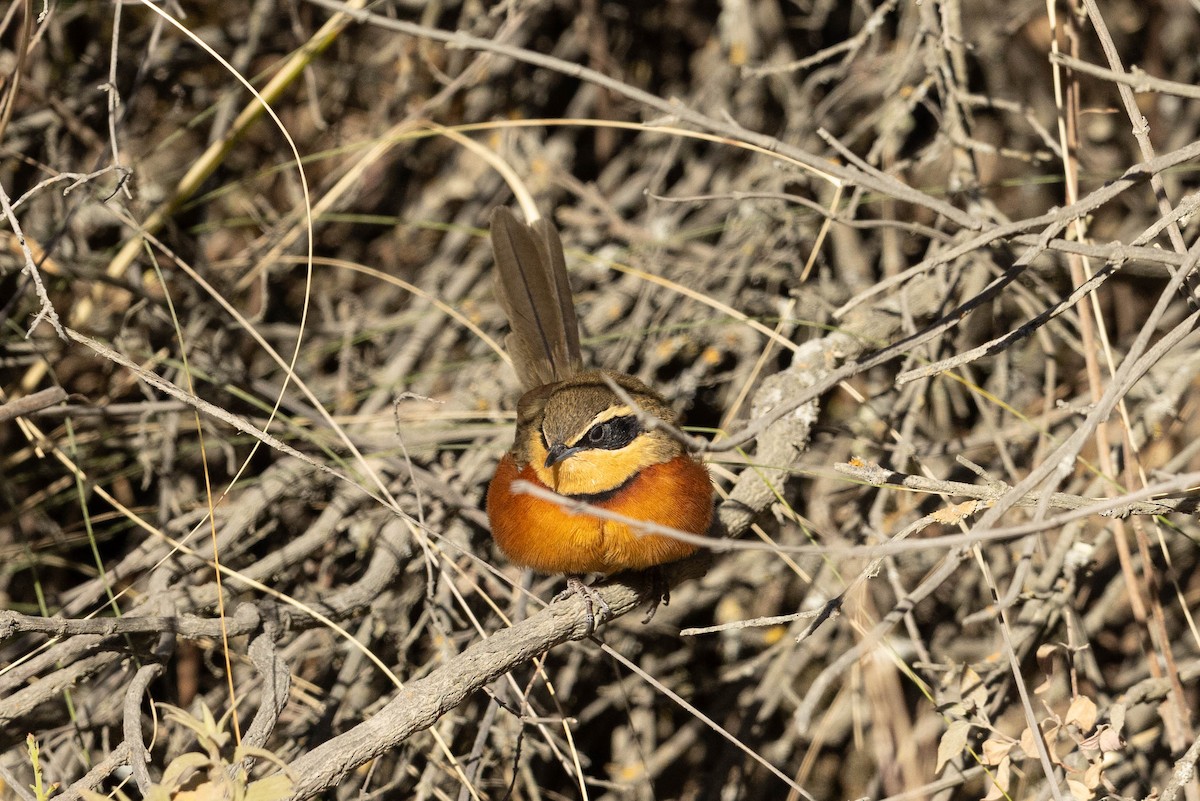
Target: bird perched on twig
x=579 y=438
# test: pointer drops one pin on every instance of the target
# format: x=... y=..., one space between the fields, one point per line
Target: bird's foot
x=592 y=602
x=660 y=592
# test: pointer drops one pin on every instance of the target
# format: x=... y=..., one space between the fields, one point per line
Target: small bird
x=577 y=437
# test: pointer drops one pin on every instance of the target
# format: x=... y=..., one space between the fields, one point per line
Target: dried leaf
x=995 y=749
x=953 y=711
x=972 y=688
x=1045 y=651
x=1109 y=740
x=1028 y=744
x=1046 y=661
x=1079 y=790
x=1052 y=747
x=1082 y=713
x=1001 y=778
x=953 y=743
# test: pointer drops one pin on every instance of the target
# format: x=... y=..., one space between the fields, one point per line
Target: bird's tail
x=532 y=288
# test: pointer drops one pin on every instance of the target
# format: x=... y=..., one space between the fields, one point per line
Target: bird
x=581 y=439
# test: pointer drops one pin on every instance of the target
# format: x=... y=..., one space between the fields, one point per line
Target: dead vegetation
x=918 y=272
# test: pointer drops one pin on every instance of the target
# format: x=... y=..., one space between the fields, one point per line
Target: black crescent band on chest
x=602 y=497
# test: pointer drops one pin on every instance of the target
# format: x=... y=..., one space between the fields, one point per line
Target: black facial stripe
x=612 y=434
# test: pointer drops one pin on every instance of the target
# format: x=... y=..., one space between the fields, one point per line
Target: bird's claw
x=660 y=592
x=592 y=601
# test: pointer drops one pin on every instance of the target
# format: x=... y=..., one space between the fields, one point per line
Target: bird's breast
x=555 y=536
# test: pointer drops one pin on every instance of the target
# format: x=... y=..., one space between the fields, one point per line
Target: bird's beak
x=558 y=452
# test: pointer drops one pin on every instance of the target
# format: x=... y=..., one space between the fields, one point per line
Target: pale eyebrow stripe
x=611 y=413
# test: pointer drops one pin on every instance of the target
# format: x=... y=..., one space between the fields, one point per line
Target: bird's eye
x=612 y=434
